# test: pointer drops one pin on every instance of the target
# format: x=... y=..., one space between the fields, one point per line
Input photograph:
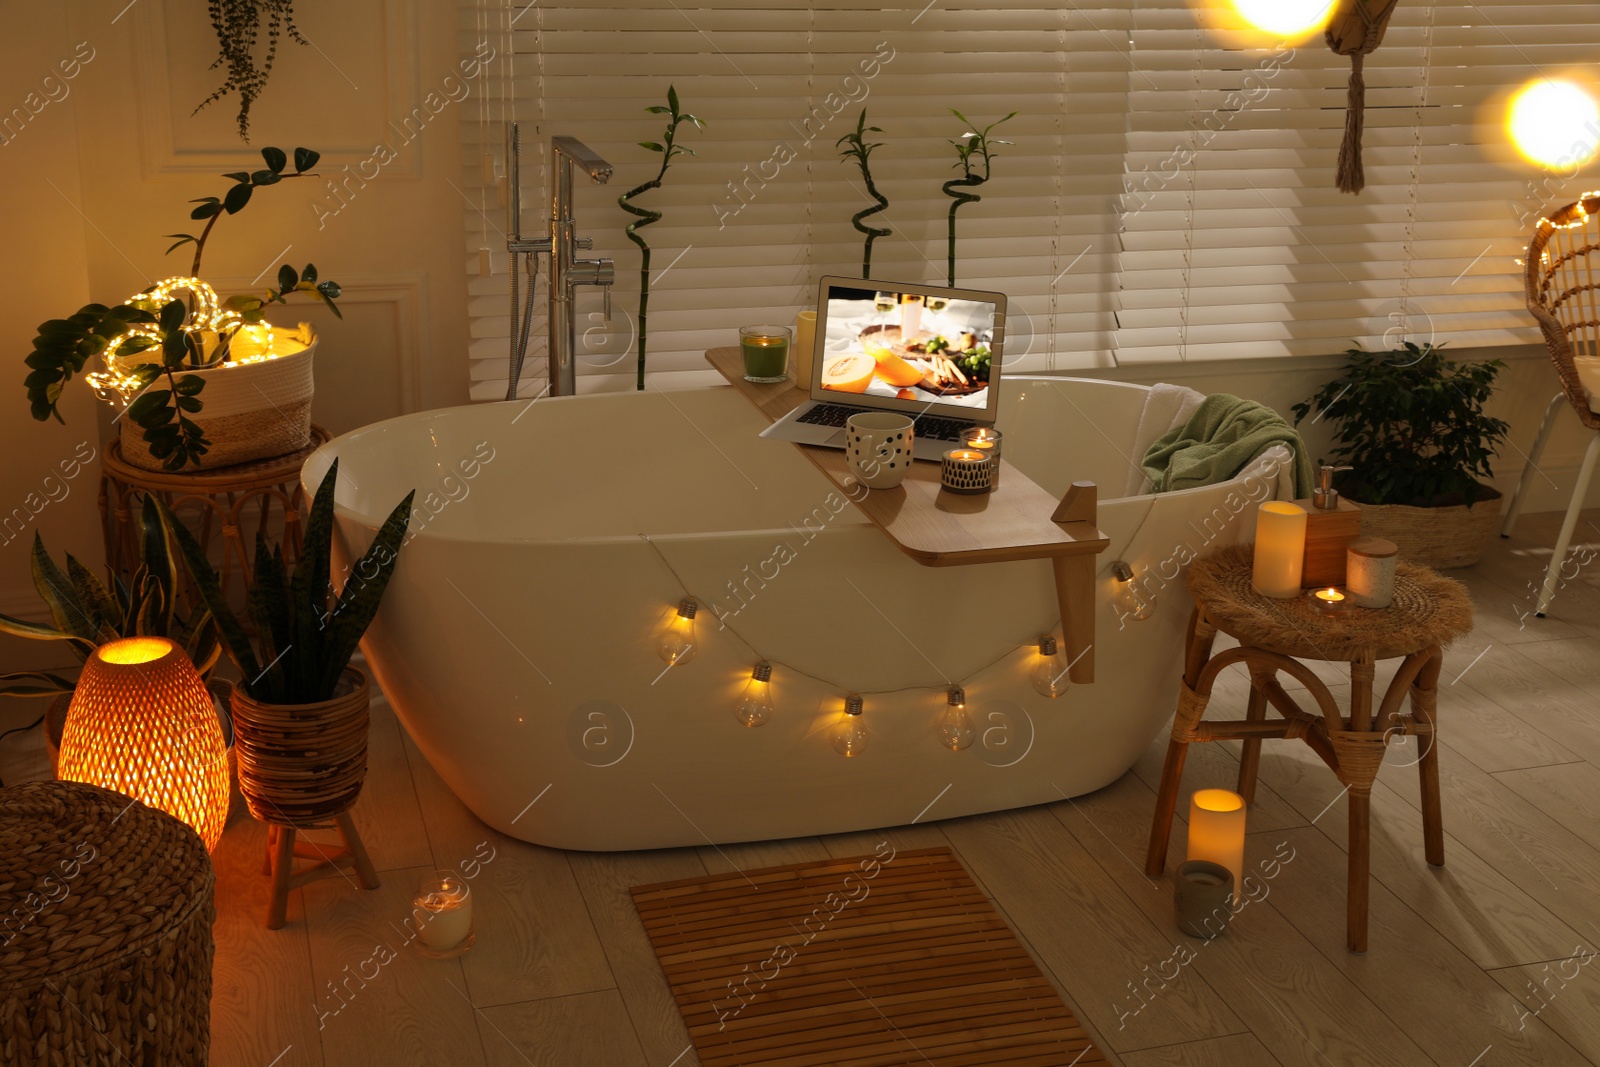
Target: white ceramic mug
x=877 y=446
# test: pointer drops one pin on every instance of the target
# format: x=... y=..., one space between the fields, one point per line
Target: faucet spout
x=577 y=152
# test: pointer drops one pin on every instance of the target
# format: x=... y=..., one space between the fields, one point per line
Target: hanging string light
x=1049 y=675
x=850 y=733
x=754 y=706
x=956 y=731
x=1125 y=595
x=676 y=643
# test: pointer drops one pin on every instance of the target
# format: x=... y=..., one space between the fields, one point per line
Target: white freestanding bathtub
x=552 y=541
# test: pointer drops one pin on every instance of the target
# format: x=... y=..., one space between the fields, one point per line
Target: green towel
x=1220 y=439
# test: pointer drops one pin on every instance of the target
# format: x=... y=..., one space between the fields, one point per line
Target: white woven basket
x=249 y=411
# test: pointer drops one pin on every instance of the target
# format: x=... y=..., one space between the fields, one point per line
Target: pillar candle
x=1216 y=830
x=805 y=336
x=1280 y=549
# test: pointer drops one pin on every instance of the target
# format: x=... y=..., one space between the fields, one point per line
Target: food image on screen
x=932 y=349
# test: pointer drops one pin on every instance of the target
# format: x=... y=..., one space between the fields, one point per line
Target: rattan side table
x=1275 y=636
x=223 y=495
x=105 y=939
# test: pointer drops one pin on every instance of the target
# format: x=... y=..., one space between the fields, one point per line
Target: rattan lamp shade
x=142 y=723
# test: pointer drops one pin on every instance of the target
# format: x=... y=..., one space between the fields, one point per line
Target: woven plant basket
x=249 y=411
x=106 y=958
x=1438 y=537
x=302 y=764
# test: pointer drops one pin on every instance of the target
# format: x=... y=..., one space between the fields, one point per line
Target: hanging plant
x=858 y=148
x=238 y=24
x=1355 y=30
x=969 y=147
x=667 y=148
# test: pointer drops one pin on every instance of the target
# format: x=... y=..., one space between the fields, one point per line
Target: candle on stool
x=1280 y=549
x=1329 y=601
x=1216 y=830
x=442 y=910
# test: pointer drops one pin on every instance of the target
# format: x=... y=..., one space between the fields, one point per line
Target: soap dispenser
x=1332 y=522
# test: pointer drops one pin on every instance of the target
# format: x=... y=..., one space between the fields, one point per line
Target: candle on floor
x=442 y=910
x=1280 y=549
x=1216 y=830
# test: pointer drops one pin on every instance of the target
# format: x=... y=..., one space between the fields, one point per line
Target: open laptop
x=926 y=351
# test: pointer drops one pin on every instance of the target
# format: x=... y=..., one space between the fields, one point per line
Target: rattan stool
x=105 y=940
x=1274 y=635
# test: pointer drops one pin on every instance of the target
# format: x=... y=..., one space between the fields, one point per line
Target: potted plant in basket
x=85 y=613
x=1411 y=424
x=163 y=348
x=300 y=710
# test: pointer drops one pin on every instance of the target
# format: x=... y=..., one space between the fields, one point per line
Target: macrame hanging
x=1356 y=29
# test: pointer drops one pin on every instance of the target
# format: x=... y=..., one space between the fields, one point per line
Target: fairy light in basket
x=251 y=342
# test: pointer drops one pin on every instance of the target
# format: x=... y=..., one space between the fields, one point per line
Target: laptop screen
x=907 y=347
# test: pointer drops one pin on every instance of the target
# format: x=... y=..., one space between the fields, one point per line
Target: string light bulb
x=956 y=731
x=676 y=643
x=754 y=706
x=1125 y=595
x=850 y=733
x=1049 y=676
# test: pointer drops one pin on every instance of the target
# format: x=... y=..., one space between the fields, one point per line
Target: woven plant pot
x=302 y=764
x=249 y=411
x=1441 y=538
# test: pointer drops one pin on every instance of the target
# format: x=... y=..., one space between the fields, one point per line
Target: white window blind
x=1165 y=197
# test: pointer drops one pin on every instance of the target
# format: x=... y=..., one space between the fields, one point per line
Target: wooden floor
x=1485 y=961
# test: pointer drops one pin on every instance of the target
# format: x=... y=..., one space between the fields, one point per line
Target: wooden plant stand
x=283 y=850
x=1017 y=521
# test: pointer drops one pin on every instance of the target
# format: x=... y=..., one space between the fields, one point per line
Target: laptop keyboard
x=931 y=427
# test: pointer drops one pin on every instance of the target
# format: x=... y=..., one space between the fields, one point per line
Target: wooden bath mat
x=868 y=962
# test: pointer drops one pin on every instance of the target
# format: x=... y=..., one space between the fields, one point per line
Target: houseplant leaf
x=363 y=590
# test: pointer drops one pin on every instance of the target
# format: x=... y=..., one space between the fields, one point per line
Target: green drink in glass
x=766 y=353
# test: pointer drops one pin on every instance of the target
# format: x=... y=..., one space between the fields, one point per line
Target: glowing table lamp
x=143 y=723
x=1216 y=831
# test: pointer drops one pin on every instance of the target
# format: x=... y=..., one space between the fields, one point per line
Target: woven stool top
x=88 y=877
x=1427 y=610
x=256 y=474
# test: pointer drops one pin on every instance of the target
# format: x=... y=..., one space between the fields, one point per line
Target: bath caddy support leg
x=1075 y=585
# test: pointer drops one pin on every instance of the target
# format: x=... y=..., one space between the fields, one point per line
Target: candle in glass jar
x=442 y=909
x=1369 y=569
x=766 y=353
x=1280 y=549
x=986 y=439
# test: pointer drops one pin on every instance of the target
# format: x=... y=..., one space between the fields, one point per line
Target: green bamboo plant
x=971 y=145
x=85 y=613
x=857 y=147
x=304 y=634
x=668 y=149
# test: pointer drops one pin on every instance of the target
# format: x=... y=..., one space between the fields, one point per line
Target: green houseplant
x=157 y=345
x=1411 y=425
x=971 y=147
x=300 y=708
x=86 y=613
x=668 y=148
x=858 y=148
x=238 y=25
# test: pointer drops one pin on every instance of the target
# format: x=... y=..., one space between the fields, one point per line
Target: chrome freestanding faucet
x=567 y=272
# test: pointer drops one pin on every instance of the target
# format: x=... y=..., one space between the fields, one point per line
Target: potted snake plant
x=1411 y=426
x=300 y=708
x=86 y=613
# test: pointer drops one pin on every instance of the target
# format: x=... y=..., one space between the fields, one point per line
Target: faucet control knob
x=583 y=242
x=605 y=272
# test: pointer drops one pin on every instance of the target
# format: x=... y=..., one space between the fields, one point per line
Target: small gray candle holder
x=1202 y=898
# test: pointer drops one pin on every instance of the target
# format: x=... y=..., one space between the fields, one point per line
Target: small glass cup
x=766 y=353
x=985 y=439
x=442 y=912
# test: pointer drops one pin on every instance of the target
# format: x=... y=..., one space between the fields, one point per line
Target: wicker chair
x=1562 y=274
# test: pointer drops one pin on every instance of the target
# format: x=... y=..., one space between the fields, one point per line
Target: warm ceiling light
x=1286 y=19
x=142 y=723
x=1554 y=123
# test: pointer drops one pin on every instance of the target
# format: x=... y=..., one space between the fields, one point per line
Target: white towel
x=1166 y=406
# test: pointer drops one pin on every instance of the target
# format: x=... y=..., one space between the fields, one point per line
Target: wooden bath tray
x=1018 y=520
